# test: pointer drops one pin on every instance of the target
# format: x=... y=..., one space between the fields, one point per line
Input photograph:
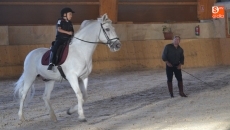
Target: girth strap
x=61 y=72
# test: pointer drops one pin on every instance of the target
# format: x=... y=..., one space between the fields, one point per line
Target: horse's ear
x=104 y=18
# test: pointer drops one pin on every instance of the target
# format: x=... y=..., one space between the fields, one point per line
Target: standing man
x=173 y=56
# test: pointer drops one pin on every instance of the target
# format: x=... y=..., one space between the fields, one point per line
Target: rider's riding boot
x=50 y=61
x=180 y=86
x=170 y=87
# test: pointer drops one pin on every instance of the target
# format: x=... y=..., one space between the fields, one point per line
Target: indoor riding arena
x=127 y=89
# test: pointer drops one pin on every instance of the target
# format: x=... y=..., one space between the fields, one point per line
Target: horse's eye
x=107 y=29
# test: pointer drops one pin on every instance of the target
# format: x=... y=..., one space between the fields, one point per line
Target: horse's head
x=108 y=35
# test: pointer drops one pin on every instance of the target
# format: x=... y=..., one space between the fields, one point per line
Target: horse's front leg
x=73 y=80
x=83 y=86
x=46 y=97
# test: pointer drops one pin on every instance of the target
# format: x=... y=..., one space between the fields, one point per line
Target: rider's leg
x=53 y=54
x=51 y=63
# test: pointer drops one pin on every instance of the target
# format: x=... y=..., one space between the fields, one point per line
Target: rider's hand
x=70 y=33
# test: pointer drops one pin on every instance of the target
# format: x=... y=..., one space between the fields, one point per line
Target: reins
x=107 y=37
x=198 y=79
x=86 y=41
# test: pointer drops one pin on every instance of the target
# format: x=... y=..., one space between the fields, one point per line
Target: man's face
x=176 y=41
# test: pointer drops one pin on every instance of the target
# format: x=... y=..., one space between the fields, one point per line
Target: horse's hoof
x=22 y=119
x=83 y=120
x=54 y=119
x=68 y=112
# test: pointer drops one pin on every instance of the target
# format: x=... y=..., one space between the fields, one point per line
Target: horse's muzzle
x=116 y=46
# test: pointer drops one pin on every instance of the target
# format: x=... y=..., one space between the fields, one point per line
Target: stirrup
x=50 y=66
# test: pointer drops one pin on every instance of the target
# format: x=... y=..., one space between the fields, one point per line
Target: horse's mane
x=85 y=23
x=102 y=19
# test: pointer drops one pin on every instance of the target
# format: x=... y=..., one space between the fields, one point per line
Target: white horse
x=77 y=67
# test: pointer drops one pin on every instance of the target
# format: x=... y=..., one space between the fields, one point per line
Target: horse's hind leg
x=26 y=87
x=75 y=85
x=46 y=97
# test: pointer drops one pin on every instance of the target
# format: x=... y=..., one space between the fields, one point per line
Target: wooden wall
x=133 y=55
x=139 y=11
x=109 y=7
x=147 y=54
x=12 y=59
x=42 y=12
x=225 y=48
x=204 y=9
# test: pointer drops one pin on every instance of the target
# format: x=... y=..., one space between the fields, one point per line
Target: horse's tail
x=18 y=90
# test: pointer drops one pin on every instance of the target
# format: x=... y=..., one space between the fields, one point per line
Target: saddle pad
x=46 y=56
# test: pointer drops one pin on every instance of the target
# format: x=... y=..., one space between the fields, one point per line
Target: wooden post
x=110 y=7
x=204 y=9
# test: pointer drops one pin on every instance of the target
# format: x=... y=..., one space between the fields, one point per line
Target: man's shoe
x=50 y=66
x=182 y=94
x=170 y=87
x=181 y=91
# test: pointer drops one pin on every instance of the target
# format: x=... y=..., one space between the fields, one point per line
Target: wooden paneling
x=45 y=13
x=157 y=3
x=34 y=12
x=147 y=55
x=157 y=0
x=132 y=56
x=49 y=3
x=138 y=11
x=225 y=47
x=12 y=59
x=227 y=23
x=157 y=13
x=204 y=9
x=109 y=7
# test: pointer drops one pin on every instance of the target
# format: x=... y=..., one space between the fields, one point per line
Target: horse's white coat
x=77 y=66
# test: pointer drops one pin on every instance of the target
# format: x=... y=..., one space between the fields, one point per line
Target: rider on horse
x=64 y=32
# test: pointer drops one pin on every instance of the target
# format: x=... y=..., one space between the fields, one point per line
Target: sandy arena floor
x=132 y=100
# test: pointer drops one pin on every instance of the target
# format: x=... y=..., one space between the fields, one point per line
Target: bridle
x=109 y=41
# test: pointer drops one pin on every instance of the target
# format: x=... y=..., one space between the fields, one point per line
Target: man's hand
x=179 y=67
x=169 y=64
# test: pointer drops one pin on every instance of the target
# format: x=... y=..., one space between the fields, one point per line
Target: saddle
x=61 y=55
